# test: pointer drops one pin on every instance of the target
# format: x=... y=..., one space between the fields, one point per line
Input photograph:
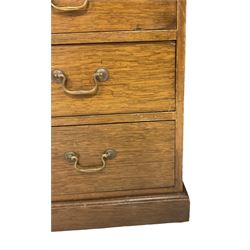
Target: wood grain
x=180 y=77
x=145 y=157
x=115 y=15
x=119 y=36
x=115 y=118
x=142 y=78
x=120 y=212
x=138 y=112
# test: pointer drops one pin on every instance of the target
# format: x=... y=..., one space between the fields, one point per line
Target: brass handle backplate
x=73 y=157
x=101 y=75
x=83 y=6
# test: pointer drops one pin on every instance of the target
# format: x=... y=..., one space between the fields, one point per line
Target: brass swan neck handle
x=73 y=157
x=101 y=75
x=83 y=6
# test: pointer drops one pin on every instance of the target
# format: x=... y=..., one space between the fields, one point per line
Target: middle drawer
x=141 y=78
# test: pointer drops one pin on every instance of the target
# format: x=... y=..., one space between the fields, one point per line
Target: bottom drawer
x=144 y=159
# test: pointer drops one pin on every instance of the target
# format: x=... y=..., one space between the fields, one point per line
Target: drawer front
x=141 y=78
x=114 y=15
x=144 y=158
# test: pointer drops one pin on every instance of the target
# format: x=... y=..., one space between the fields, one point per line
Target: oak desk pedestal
x=117 y=113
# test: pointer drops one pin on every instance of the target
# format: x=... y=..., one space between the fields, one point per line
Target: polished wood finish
x=142 y=78
x=115 y=118
x=145 y=157
x=115 y=15
x=180 y=73
x=138 y=112
x=120 y=211
x=119 y=36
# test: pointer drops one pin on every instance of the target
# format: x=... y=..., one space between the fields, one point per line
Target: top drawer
x=113 y=15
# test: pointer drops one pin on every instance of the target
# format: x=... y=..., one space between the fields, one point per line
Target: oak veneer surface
x=142 y=78
x=145 y=157
x=115 y=15
x=120 y=211
x=119 y=36
x=114 y=118
x=180 y=77
x=138 y=112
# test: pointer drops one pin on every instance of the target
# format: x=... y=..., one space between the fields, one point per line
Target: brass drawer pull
x=73 y=157
x=101 y=75
x=83 y=6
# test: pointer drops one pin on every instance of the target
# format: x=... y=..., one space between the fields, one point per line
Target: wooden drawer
x=145 y=158
x=141 y=78
x=114 y=15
